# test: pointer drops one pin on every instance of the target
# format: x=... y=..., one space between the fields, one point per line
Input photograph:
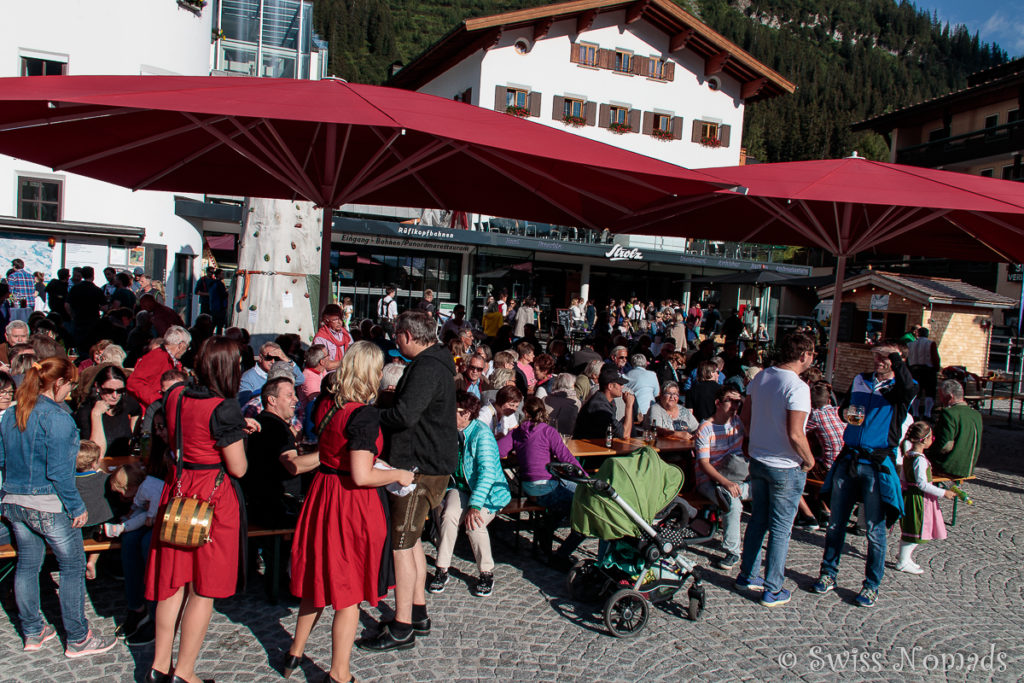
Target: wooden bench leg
x=275 y=573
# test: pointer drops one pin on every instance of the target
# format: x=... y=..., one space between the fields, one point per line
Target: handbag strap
x=180 y=448
x=327 y=420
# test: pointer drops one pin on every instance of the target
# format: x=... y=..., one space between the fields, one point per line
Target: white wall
x=126 y=37
x=546 y=69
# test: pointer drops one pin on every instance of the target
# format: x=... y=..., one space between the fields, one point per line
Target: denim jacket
x=41 y=460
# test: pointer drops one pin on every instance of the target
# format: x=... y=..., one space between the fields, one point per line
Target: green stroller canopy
x=643 y=480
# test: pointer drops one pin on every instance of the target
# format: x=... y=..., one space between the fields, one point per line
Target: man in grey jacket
x=422 y=437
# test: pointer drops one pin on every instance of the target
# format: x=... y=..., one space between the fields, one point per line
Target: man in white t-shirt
x=775 y=414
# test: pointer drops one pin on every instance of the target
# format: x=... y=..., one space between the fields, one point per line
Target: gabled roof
x=992 y=84
x=924 y=289
x=685 y=31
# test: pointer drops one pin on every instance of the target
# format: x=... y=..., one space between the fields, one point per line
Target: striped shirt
x=715 y=441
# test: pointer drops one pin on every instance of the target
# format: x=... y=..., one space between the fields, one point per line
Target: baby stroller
x=640 y=560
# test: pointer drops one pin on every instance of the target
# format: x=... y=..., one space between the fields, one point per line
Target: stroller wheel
x=584 y=582
x=626 y=613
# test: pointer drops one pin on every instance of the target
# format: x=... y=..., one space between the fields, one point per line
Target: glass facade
x=361 y=274
x=271 y=38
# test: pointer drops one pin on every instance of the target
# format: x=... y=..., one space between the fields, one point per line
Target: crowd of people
x=359 y=439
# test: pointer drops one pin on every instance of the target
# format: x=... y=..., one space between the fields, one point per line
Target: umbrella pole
x=833 y=328
x=325 y=258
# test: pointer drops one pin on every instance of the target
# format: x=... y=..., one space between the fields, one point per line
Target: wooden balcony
x=1001 y=140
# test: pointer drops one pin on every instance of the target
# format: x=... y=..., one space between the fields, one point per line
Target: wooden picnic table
x=588 y=448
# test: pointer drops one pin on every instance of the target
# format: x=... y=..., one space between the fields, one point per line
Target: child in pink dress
x=922 y=520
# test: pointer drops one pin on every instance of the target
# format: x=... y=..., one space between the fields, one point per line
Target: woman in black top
x=109 y=415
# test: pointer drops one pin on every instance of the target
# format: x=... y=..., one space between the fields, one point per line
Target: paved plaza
x=963 y=618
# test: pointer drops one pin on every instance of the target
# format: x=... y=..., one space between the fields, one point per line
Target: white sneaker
x=909 y=568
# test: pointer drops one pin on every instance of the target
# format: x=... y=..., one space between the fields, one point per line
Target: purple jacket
x=536 y=445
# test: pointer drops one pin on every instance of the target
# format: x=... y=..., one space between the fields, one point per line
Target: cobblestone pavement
x=966 y=612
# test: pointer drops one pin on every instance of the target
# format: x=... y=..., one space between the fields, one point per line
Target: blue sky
x=999 y=21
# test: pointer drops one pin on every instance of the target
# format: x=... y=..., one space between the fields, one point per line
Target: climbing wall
x=279 y=249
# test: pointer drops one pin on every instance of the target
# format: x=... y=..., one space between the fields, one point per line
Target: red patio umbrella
x=848 y=206
x=328 y=142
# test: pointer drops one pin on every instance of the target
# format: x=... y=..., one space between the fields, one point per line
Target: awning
x=73 y=228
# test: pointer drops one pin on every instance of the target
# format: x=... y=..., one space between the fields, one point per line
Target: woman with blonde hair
x=341 y=552
x=38 y=453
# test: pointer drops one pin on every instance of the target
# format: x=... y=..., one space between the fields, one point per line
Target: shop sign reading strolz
x=618 y=253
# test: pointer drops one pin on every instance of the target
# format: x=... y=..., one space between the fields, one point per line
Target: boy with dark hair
x=720 y=470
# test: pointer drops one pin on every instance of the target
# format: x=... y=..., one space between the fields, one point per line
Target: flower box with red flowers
x=664 y=135
x=711 y=142
x=516 y=110
x=620 y=128
x=574 y=121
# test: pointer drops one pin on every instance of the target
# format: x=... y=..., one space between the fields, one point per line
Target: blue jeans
x=134 y=553
x=846 y=491
x=730 y=517
x=775 y=494
x=33 y=530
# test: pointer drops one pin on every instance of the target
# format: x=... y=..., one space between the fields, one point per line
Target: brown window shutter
x=669 y=72
x=590 y=111
x=574 y=53
x=534 y=102
x=606 y=59
x=500 y=92
x=604 y=118
x=677 y=127
x=695 y=136
x=723 y=135
x=648 y=122
x=639 y=65
x=557 y=107
x=634 y=119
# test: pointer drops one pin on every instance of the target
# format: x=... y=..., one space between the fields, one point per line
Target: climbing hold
x=298 y=225
x=306 y=295
x=252 y=307
x=256 y=234
x=293 y=245
x=266 y=257
x=287 y=258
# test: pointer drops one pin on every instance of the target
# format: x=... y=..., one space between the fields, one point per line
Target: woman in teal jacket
x=479 y=492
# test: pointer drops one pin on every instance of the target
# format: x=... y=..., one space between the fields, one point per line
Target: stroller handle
x=569 y=472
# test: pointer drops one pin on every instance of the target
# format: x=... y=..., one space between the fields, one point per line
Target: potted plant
x=574 y=121
x=517 y=110
x=662 y=134
x=711 y=141
x=619 y=128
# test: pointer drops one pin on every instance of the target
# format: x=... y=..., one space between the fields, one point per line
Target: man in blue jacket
x=865 y=471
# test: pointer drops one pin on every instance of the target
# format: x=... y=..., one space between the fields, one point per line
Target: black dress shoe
x=384 y=642
x=291 y=663
x=155 y=676
x=420 y=627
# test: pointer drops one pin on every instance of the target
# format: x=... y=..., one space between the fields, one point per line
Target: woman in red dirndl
x=212 y=430
x=341 y=553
